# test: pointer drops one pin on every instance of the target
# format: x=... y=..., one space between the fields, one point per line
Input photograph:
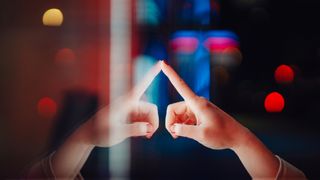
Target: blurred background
x=258 y=60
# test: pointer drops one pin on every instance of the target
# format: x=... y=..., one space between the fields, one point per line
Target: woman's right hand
x=199 y=119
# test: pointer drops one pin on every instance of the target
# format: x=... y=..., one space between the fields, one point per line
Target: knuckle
x=205 y=133
x=154 y=107
x=156 y=126
x=169 y=108
x=203 y=103
x=202 y=98
x=168 y=127
x=182 y=82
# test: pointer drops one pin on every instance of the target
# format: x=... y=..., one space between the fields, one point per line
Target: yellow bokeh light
x=52 y=17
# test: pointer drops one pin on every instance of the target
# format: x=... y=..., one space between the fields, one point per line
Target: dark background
x=270 y=33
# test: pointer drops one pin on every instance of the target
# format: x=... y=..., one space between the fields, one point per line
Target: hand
x=199 y=119
x=125 y=117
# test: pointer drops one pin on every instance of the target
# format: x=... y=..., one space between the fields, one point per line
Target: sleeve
x=288 y=171
x=43 y=170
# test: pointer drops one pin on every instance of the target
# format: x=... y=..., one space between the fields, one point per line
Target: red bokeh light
x=65 y=57
x=274 y=102
x=218 y=44
x=47 y=107
x=184 y=44
x=284 y=74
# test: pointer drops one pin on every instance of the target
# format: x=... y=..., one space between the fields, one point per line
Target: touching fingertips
x=162 y=63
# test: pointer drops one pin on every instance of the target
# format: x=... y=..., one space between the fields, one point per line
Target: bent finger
x=172 y=110
x=138 y=129
x=152 y=115
x=189 y=131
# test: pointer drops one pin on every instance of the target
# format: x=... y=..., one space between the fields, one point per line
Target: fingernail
x=149 y=128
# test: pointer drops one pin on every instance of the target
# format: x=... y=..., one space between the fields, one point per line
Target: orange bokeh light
x=274 y=102
x=52 y=17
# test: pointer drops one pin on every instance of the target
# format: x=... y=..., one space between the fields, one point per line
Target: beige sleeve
x=43 y=170
x=288 y=171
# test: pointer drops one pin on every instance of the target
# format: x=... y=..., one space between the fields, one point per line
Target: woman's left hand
x=127 y=116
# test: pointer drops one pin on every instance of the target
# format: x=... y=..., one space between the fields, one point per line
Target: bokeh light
x=233 y=56
x=184 y=42
x=147 y=12
x=47 y=108
x=274 y=102
x=223 y=46
x=191 y=60
x=219 y=40
x=220 y=43
x=284 y=74
x=52 y=17
x=221 y=74
x=65 y=57
x=142 y=64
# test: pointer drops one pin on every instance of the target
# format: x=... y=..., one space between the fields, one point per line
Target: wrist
x=82 y=135
x=243 y=139
x=258 y=160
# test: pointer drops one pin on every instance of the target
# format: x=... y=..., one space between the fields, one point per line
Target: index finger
x=181 y=86
x=146 y=81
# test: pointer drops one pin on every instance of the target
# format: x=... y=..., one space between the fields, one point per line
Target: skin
x=194 y=118
x=199 y=119
x=126 y=117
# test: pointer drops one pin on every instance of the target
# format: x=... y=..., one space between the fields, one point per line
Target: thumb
x=190 y=131
x=138 y=129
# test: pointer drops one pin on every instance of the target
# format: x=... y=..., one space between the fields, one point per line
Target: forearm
x=255 y=156
x=71 y=156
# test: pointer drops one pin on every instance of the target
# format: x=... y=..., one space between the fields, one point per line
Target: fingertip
x=143 y=129
x=174 y=136
x=149 y=136
x=149 y=128
x=173 y=131
x=177 y=129
x=150 y=131
x=161 y=64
